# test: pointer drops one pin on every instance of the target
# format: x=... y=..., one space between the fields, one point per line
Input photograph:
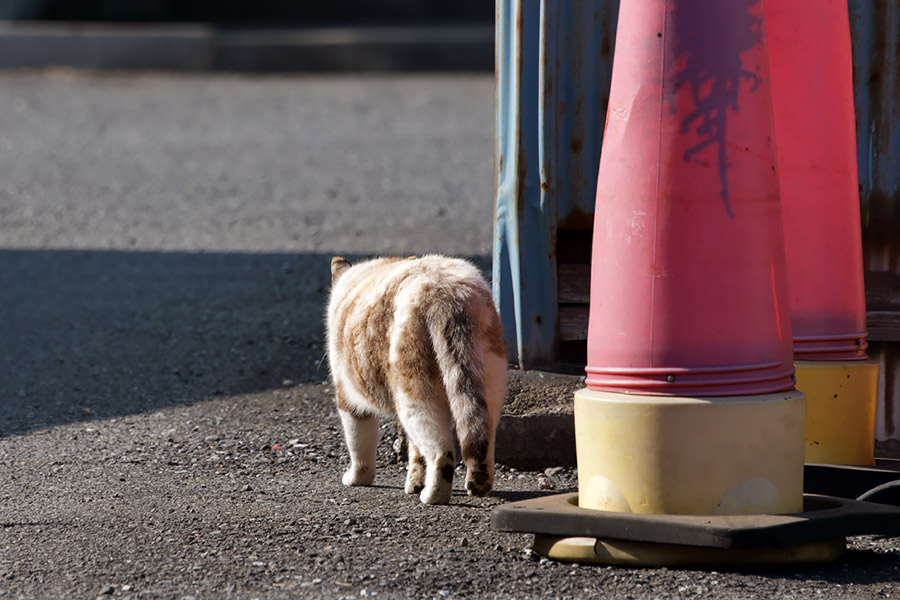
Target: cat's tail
x=469 y=370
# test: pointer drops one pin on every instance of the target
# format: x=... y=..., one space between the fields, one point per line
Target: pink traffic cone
x=689 y=289
x=690 y=406
x=812 y=87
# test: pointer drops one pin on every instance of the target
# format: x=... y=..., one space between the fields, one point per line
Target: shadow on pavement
x=859 y=566
x=93 y=334
x=96 y=334
x=104 y=333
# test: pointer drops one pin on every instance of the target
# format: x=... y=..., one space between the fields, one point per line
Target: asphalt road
x=166 y=427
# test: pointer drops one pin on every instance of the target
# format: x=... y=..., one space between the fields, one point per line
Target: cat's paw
x=359 y=476
x=436 y=495
x=479 y=483
x=415 y=478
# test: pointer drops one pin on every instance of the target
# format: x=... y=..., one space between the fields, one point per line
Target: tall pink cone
x=688 y=288
x=812 y=87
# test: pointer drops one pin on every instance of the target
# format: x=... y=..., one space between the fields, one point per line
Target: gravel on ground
x=166 y=424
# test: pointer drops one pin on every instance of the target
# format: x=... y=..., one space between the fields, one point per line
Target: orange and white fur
x=419 y=338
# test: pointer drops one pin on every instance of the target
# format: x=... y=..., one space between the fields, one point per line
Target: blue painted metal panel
x=576 y=64
x=553 y=67
x=522 y=271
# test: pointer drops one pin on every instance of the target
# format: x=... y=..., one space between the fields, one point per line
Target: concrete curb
x=106 y=47
x=536 y=442
x=206 y=48
x=537 y=430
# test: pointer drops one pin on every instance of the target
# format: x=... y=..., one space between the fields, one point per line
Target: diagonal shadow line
x=92 y=334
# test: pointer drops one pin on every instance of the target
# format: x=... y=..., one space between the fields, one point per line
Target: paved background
x=164 y=239
x=166 y=427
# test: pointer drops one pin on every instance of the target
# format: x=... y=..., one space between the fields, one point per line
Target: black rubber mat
x=823 y=518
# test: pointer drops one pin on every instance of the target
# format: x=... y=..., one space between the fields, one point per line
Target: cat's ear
x=339 y=264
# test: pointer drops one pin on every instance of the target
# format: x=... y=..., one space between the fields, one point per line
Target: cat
x=418 y=338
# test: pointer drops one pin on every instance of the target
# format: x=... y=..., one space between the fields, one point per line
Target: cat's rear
x=419 y=338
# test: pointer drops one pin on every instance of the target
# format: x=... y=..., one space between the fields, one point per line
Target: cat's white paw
x=436 y=495
x=439 y=480
x=359 y=476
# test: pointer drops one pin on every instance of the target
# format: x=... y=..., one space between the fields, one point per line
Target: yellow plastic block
x=626 y=553
x=693 y=456
x=840 y=410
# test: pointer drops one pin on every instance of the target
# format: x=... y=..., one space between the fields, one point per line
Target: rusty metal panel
x=554 y=59
x=875 y=30
x=576 y=66
x=523 y=272
x=875 y=27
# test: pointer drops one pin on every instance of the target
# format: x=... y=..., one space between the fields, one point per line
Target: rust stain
x=521 y=200
x=561 y=110
x=605 y=47
x=881 y=207
x=576 y=145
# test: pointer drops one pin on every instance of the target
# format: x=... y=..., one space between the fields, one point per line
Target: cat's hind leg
x=361 y=435
x=428 y=424
x=478 y=450
x=415 y=471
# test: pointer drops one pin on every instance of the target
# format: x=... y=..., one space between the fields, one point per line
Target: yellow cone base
x=734 y=455
x=646 y=554
x=840 y=410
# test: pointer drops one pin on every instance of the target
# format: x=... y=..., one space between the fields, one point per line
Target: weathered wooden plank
x=573 y=322
x=574 y=283
x=883 y=326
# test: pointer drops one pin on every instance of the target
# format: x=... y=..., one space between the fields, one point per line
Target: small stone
x=108 y=590
x=288 y=383
x=247 y=488
x=546 y=484
x=553 y=471
x=85 y=412
x=463 y=542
